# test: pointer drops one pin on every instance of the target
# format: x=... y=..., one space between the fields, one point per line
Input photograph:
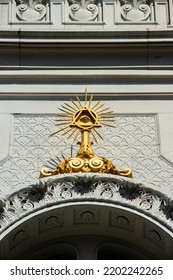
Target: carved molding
x=135 y=10
x=31 y=10
x=83 y=10
x=86 y=187
x=127 y=11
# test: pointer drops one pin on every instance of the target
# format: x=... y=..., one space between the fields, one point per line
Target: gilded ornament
x=85 y=119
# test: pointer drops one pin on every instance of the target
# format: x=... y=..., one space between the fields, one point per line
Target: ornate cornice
x=85 y=187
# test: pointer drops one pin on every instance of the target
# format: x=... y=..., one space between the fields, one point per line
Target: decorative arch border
x=85 y=187
x=32 y=235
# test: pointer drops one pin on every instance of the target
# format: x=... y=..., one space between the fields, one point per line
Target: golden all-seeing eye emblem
x=85 y=119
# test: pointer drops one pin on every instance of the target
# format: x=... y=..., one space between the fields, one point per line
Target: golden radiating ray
x=61 y=115
x=76 y=135
x=79 y=101
x=94 y=136
x=99 y=107
x=104 y=110
x=106 y=124
x=67 y=113
x=108 y=117
x=104 y=114
x=86 y=93
x=67 y=131
x=74 y=130
x=53 y=133
x=74 y=110
x=62 y=120
x=59 y=131
x=109 y=114
x=69 y=109
x=96 y=105
x=62 y=123
x=89 y=104
x=74 y=104
x=98 y=133
x=106 y=120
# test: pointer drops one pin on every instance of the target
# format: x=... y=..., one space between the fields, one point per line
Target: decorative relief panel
x=122 y=222
x=135 y=10
x=106 y=13
x=49 y=191
x=83 y=10
x=19 y=237
x=153 y=235
x=88 y=216
x=31 y=10
x=133 y=142
x=51 y=222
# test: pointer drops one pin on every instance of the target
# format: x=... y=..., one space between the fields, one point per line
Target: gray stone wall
x=45 y=59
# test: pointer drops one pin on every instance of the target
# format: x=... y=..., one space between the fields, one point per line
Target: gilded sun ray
x=74 y=104
x=73 y=109
x=73 y=131
x=96 y=105
x=79 y=101
x=90 y=101
x=99 y=107
x=94 y=136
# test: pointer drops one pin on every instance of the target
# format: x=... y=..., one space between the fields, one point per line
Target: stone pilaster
x=5 y=8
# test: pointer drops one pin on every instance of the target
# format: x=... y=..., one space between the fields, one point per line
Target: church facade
x=121 y=51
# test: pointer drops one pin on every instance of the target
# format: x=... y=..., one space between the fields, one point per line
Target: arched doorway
x=90 y=230
x=86 y=216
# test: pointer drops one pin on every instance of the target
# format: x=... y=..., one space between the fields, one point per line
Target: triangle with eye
x=85 y=119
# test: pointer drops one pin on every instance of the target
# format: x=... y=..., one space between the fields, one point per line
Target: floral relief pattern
x=61 y=189
x=83 y=10
x=135 y=10
x=132 y=143
x=31 y=10
x=130 y=10
x=86 y=12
